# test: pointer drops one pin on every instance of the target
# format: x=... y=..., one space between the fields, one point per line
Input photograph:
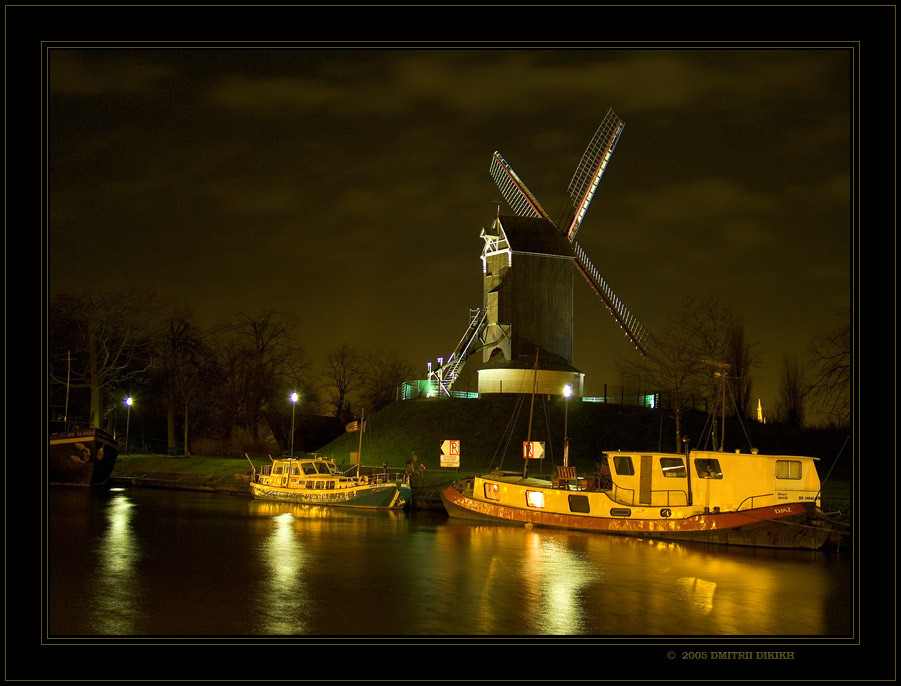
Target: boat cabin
x=314 y=472
x=719 y=481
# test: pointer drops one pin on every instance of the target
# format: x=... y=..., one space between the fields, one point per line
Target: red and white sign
x=533 y=450
x=450 y=453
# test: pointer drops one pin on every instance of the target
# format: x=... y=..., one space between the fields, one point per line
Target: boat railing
x=664 y=497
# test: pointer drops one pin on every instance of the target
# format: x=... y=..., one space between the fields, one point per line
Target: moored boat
x=741 y=498
x=316 y=480
x=81 y=457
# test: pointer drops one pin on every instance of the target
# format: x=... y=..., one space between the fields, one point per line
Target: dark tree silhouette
x=341 y=377
x=98 y=342
x=830 y=390
x=790 y=405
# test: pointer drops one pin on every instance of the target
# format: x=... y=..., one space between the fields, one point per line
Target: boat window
x=277 y=470
x=492 y=492
x=579 y=503
x=295 y=469
x=310 y=484
x=322 y=468
x=623 y=465
x=788 y=469
x=309 y=468
x=708 y=468
x=534 y=498
x=330 y=484
x=673 y=467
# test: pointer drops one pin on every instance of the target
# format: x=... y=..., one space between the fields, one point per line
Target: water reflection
x=117 y=556
x=144 y=562
x=566 y=583
x=283 y=600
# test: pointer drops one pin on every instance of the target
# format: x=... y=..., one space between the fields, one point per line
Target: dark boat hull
x=794 y=525
x=81 y=457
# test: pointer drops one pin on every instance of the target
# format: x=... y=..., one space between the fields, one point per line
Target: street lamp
x=567 y=391
x=128 y=401
x=293 y=407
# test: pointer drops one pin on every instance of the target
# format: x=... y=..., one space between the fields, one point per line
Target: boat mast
x=360 y=453
x=68 y=377
x=525 y=467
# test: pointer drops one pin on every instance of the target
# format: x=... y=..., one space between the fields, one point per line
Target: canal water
x=161 y=563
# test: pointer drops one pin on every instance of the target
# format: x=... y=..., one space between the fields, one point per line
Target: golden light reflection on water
x=284 y=597
x=132 y=563
x=118 y=556
x=568 y=583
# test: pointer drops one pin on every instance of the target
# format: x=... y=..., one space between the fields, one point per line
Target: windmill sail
x=518 y=197
x=591 y=168
x=582 y=188
x=627 y=321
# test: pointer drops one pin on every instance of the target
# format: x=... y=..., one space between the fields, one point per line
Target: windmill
x=530 y=305
x=582 y=188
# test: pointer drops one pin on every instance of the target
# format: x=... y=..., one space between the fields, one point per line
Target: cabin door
x=644 y=480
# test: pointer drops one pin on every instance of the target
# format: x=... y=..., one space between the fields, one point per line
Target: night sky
x=348 y=186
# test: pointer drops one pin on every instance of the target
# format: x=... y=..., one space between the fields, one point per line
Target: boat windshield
x=323 y=468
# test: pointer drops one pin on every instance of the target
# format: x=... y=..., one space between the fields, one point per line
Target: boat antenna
x=525 y=466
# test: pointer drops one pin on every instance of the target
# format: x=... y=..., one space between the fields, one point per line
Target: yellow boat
x=740 y=498
x=316 y=480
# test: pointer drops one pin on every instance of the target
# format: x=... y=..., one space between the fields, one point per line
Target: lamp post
x=567 y=391
x=293 y=407
x=128 y=402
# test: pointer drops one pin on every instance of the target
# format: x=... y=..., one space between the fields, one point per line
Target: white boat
x=316 y=480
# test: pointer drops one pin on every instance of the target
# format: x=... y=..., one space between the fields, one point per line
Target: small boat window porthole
x=666 y=512
x=620 y=512
x=492 y=492
x=534 y=498
x=579 y=503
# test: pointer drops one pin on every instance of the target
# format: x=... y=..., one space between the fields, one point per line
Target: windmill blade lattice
x=591 y=168
x=518 y=197
x=627 y=321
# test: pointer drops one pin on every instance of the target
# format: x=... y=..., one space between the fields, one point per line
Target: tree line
x=227 y=387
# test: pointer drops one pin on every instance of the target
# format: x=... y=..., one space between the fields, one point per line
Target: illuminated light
x=129 y=401
x=294 y=397
x=567 y=391
x=535 y=498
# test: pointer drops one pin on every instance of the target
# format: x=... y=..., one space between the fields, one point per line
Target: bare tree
x=689 y=356
x=742 y=358
x=259 y=364
x=181 y=366
x=831 y=370
x=99 y=342
x=673 y=363
x=382 y=373
x=790 y=406
x=341 y=377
